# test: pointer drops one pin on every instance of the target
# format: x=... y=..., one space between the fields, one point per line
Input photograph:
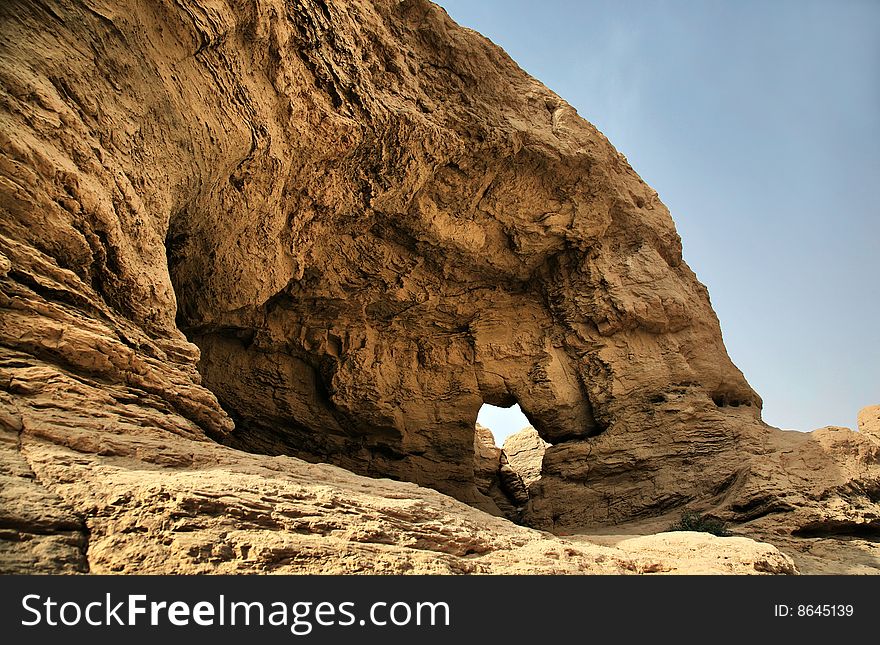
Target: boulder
x=525 y=454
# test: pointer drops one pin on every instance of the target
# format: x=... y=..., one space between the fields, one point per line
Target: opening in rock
x=493 y=475
x=505 y=471
x=503 y=422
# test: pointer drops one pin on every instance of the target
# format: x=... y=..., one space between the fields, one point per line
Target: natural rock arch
x=370 y=221
x=358 y=290
x=368 y=233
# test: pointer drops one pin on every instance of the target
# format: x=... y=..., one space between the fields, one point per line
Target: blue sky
x=758 y=122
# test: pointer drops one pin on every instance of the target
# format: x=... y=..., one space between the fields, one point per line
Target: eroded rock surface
x=525 y=454
x=155 y=502
x=494 y=476
x=333 y=230
x=369 y=219
x=869 y=421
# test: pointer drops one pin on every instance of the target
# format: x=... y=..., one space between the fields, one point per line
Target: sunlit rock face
x=333 y=230
x=441 y=231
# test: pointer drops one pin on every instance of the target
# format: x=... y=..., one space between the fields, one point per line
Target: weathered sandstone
x=525 y=454
x=153 y=502
x=369 y=220
x=330 y=231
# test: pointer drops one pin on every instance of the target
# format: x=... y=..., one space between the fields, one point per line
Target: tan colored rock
x=160 y=503
x=333 y=230
x=369 y=220
x=815 y=494
x=495 y=478
x=819 y=484
x=691 y=553
x=525 y=454
x=512 y=485
x=869 y=421
x=39 y=533
x=90 y=489
x=487 y=458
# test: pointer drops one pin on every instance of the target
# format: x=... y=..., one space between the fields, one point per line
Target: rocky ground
x=159 y=503
x=240 y=238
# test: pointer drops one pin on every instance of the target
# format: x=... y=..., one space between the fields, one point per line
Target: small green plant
x=692 y=521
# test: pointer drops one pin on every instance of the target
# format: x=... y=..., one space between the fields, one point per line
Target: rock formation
x=525 y=454
x=164 y=504
x=494 y=476
x=333 y=230
x=869 y=421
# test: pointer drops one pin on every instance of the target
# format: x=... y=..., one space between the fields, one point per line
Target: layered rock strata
x=333 y=230
x=368 y=219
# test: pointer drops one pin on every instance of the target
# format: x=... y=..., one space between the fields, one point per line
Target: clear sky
x=503 y=422
x=758 y=122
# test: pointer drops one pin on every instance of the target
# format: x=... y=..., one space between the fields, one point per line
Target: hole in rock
x=503 y=422
x=505 y=482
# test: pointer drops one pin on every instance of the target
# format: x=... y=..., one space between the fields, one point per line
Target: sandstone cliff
x=332 y=231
